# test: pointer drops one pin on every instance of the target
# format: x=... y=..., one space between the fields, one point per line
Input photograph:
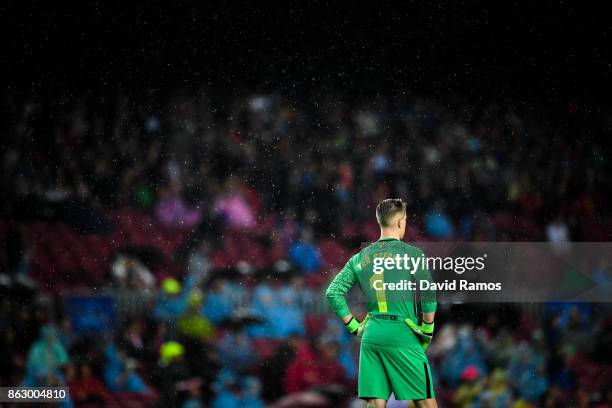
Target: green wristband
x=427 y=328
x=352 y=325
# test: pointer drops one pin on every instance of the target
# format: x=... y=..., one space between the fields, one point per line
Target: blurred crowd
x=323 y=158
x=195 y=350
x=252 y=335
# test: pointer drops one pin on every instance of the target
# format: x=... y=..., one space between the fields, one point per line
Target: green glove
x=423 y=331
x=356 y=328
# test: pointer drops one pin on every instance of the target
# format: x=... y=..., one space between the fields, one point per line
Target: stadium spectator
x=192 y=324
x=120 y=372
x=558 y=234
x=86 y=388
x=170 y=371
x=134 y=340
x=496 y=392
x=236 y=351
x=172 y=211
x=533 y=384
x=465 y=354
x=129 y=272
x=46 y=359
x=305 y=254
x=217 y=305
x=275 y=305
x=233 y=206
x=251 y=393
x=172 y=301
x=523 y=364
x=66 y=333
x=227 y=391
x=469 y=388
x=310 y=367
x=198 y=262
x=438 y=224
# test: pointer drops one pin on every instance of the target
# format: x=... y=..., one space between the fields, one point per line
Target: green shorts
x=403 y=371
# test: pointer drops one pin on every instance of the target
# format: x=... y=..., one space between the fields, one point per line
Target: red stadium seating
x=63 y=256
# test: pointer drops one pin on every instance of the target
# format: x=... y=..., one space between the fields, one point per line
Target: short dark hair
x=387 y=209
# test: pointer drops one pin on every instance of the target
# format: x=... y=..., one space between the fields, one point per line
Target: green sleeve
x=428 y=297
x=340 y=286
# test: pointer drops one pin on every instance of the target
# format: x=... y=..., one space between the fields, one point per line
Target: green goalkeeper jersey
x=389 y=296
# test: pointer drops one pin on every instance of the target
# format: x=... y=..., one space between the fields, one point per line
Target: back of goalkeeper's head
x=391 y=216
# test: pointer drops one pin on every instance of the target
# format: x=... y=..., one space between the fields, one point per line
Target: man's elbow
x=330 y=295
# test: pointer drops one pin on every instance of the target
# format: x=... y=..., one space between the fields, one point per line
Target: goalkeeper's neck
x=391 y=233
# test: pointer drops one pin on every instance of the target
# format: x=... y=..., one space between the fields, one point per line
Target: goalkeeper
x=392 y=357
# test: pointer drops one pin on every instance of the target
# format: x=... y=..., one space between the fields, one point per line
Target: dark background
x=550 y=49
